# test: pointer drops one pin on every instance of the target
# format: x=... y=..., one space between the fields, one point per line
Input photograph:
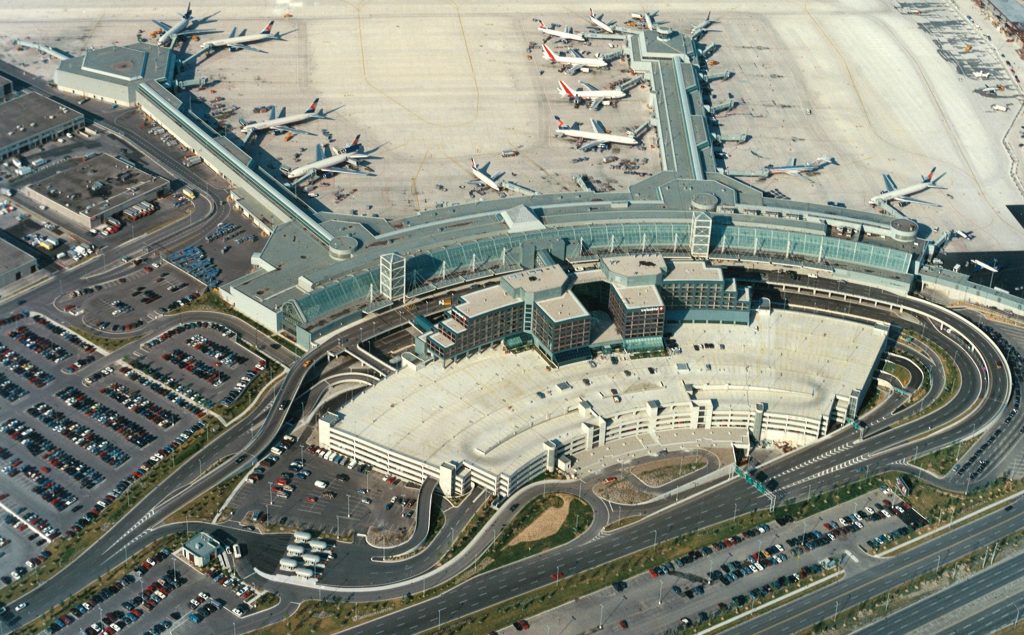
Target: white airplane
x=282 y=123
x=965 y=235
x=981 y=74
x=327 y=158
x=905 y=194
x=703 y=26
x=561 y=35
x=577 y=62
x=480 y=172
x=598 y=137
x=984 y=265
x=172 y=33
x=650 y=24
x=800 y=169
x=590 y=93
x=243 y=41
x=600 y=23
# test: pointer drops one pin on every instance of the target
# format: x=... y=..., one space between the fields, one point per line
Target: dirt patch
x=547 y=524
x=658 y=473
x=623 y=492
x=386 y=536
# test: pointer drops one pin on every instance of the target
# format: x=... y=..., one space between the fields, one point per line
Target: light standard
x=348 y=505
x=655 y=538
x=600 y=623
x=1016 y=617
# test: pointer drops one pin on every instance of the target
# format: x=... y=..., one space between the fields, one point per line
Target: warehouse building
x=87 y=192
x=16 y=261
x=29 y=119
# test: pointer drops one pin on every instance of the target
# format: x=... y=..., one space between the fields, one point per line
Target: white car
x=18 y=608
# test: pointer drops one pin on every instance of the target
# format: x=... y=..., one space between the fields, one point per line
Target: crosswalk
x=831 y=470
x=135 y=527
x=820 y=457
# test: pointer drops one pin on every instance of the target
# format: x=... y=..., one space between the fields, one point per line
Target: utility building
x=30 y=119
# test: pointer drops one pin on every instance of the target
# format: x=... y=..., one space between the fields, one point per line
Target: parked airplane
x=650 y=24
x=598 y=137
x=801 y=169
x=172 y=33
x=703 y=26
x=327 y=158
x=981 y=74
x=590 y=93
x=598 y=21
x=905 y=194
x=243 y=41
x=965 y=235
x=589 y=62
x=282 y=123
x=480 y=172
x=561 y=35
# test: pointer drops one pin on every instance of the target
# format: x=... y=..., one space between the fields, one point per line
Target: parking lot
x=303 y=489
x=162 y=594
x=728 y=575
x=79 y=437
x=204 y=361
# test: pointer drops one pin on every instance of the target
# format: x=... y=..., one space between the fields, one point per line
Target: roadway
x=809 y=609
x=941 y=612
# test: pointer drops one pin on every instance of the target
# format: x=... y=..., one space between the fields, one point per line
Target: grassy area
x=658 y=476
x=436 y=518
x=899 y=372
x=109 y=343
x=65 y=550
x=951 y=376
x=942 y=461
x=205 y=506
x=171 y=542
x=893 y=599
x=265 y=601
x=576 y=522
x=622 y=522
x=211 y=301
x=471 y=529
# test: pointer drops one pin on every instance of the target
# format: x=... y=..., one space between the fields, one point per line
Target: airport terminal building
x=30 y=119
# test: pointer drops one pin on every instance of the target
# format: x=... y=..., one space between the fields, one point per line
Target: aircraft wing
x=598 y=126
x=907 y=199
x=290 y=129
x=575 y=68
x=238 y=47
x=588 y=86
x=191 y=33
x=890 y=185
x=591 y=145
x=595 y=104
x=163 y=25
x=347 y=171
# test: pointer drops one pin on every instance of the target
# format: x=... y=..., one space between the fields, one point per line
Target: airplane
x=172 y=33
x=650 y=24
x=281 y=124
x=703 y=26
x=480 y=172
x=589 y=62
x=561 y=35
x=598 y=137
x=801 y=169
x=905 y=194
x=242 y=41
x=589 y=93
x=981 y=74
x=965 y=235
x=600 y=23
x=328 y=157
x=987 y=267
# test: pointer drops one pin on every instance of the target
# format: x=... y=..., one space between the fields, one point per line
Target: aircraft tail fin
x=928 y=177
x=266 y=29
x=188 y=11
x=548 y=53
x=568 y=92
x=355 y=142
x=541 y=24
x=312 y=106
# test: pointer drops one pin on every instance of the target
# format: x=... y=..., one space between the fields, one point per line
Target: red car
x=557 y=575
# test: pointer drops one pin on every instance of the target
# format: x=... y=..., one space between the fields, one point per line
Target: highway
x=940 y=611
x=809 y=609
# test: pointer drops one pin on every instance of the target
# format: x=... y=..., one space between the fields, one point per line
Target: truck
x=192 y=160
x=189 y=194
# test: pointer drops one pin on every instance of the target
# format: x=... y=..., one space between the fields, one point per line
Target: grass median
x=530 y=532
x=942 y=461
x=204 y=507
